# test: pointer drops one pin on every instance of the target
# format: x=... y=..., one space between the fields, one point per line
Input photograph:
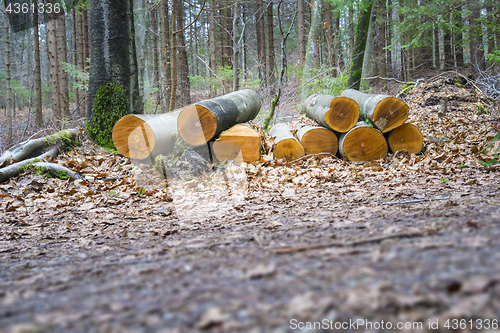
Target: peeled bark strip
x=36 y=147
x=383 y=111
x=285 y=144
x=407 y=137
x=336 y=113
x=138 y=136
x=316 y=140
x=240 y=143
x=202 y=121
x=363 y=143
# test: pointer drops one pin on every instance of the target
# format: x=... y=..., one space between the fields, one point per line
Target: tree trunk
x=165 y=53
x=270 y=39
x=362 y=143
x=8 y=95
x=261 y=43
x=405 y=137
x=183 y=59
x=308 y=69
x=236 y=47
x=384 y=112
x=61 y=74
x=357 y=59
x=145 y=135
x=202 y=121
x=173 y=55
x=449 y=61
x=212 y=33
x=285 y=144
x=156 y=70
x=476 y=36
x=113 y=57
x=240 y=143
x=336 y=113
x=458 y=39
x=301 y=32
x=317 y=140
x=54 y=79
x=85 y=49
x=327 y=13
x=38 y=75
x=75 y=54
x=437 y=57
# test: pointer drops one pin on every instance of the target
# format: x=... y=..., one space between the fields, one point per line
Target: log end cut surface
x=390 y=113
x=196 y=125
x=239 y=140
x=133 y=137
x=343 y=114
x=290 y=149
x=320 y=140
x=364 y=144
x=407 y=137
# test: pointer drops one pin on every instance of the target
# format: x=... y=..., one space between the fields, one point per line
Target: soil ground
x=310 y=245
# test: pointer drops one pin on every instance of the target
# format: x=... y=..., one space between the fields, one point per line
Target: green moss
x=110 y=105
x=66 y=138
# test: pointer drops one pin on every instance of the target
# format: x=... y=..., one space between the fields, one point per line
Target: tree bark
x=75 y=53
x=113 y=57
x=285 y=144
x=212 y=33
x=142 y=136
x=240 y=143
x=236 y=47
x=61 y=74
x=476 y=36
x=317 y=140
x=458 y=38
x=357 y=59
x=312 y=45
x=185 y=86
x=384 y=112
x=156 y=70
x=270 y=41
x=261 y=43
x=54 y=79
x=202 y=121
x=405 y=137
x=339 y=114
x=330 y=47
x=301 y=32
x=38 y=75
x=8 y=88
x=363 y=143
x=165 y=53
x=173 y=55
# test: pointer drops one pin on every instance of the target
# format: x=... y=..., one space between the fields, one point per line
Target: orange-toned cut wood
x=406 y=137
x=316 y=140
x=240 y=143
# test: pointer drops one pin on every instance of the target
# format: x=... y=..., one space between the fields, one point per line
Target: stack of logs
x=220 y=122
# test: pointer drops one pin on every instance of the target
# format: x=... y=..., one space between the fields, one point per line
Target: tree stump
x=407 y=137
x=316 y=140
x=240 y=143
x=285 y=144
x=336 y=113
x=384 y=112
x=201 y=122
x=138 y=136
x=363 y=143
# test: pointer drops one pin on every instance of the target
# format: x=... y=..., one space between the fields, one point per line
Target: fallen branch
x=37 y=147
x=365 y=241
x=17 y=168
x=413 y=201
x=55 y=170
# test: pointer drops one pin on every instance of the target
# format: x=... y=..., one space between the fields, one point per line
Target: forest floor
x=273 y=247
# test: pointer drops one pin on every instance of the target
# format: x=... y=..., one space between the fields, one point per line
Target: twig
x=413 y=201
x=365 y=241
x=387 y=79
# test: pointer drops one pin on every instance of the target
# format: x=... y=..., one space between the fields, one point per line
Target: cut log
x=316 y=140
x=383 y=111
x=285 y=144
x=363 y=143
x=138 y=136
x=202 y=121
x=241 y=143
x=336 y=113
x=407 y=137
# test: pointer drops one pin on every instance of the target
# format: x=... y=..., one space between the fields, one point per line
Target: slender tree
x=301 y=32
x=165 y=52
x=8 y=97
x=38 y=75
x=357 y=61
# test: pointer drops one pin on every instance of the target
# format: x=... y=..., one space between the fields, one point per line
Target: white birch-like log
x=285 y=144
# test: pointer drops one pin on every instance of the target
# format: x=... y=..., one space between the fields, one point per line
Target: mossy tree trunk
x=112 y=52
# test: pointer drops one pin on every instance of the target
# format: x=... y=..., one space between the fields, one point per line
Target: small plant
x=444 y=180
x=462 y=166
x=489 y=163
x=112 y=193
x=141 y=191
x=481 y=109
